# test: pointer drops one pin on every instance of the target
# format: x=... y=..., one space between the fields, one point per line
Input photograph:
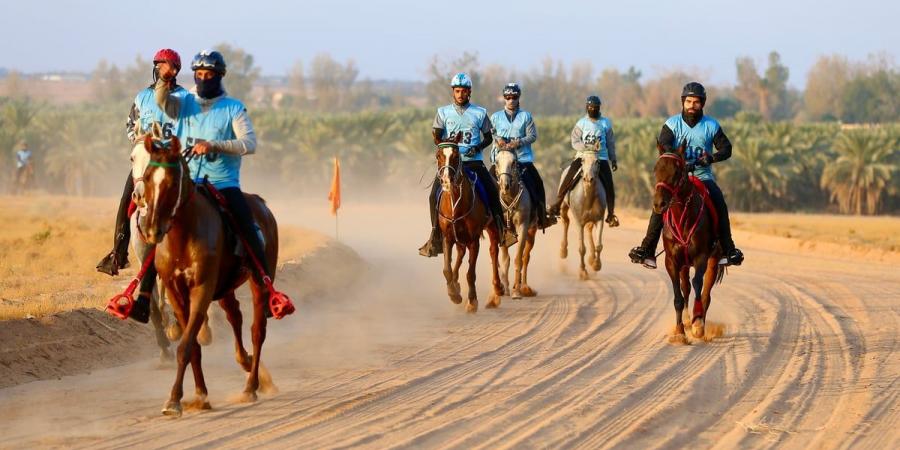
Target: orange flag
x=335 y=194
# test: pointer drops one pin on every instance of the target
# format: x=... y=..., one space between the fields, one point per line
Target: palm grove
x=832 y=147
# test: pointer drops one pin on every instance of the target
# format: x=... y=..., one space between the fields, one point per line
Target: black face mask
x=211 y=88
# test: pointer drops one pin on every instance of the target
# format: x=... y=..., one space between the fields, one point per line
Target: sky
x=395 y=39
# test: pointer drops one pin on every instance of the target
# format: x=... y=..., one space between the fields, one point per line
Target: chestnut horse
x=689 y=240
x=196 y=267
x=462 y=218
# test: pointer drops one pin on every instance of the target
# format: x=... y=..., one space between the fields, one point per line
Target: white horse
x=517 y=211
x=165 y=326
x=587 y=201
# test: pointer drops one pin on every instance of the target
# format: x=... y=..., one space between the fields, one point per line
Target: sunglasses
x=511 y=97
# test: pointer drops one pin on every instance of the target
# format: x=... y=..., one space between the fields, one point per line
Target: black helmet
x=593 y=100
x=693 y=89
x=512 y=89
x=209 y=60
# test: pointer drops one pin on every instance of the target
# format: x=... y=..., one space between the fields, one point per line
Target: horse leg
x=199 y=302
x=684 y=280
x=200 y=402
x=599 y=248
x=526 y=290
x=449 y=273
x=504 y=267
x=698 y=326
x=520 y=250
x=472 y=303
x=564 y=245
x=678 y=336
x=582 y=274
x=156 y=316
x=593 y=259
x=258 y=333
x=232 y=310
x=460 y=254
x=497 y=288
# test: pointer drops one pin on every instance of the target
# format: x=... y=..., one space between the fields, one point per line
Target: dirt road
x=810 y=358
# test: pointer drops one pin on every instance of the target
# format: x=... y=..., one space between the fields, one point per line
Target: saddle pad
x=704 y=193
x=479 y=187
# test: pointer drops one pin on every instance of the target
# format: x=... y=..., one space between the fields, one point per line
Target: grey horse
x=587 y=201
x=518 y=212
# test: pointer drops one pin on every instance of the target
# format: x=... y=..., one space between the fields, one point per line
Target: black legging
x=487 y=181
x=123 y=228
x=654 y=229
x=606 y=179
x=534 y=184
x=240 y=210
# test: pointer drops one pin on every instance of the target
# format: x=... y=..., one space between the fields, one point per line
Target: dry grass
x=861 y=232
x=50 y=245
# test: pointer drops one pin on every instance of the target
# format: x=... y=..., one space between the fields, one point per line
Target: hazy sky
x=395 y=39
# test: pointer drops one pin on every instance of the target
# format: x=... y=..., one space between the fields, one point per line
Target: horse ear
x=148 y=143
x=682 y=147
x=660 y=148
x=156 y=130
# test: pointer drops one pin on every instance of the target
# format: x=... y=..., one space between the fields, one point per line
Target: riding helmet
x=461 y=80
x=209 y=60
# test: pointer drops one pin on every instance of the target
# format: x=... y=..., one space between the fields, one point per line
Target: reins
x=680 y=225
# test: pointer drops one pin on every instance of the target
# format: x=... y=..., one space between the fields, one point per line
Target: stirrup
x=612 y=220
x=734 y=258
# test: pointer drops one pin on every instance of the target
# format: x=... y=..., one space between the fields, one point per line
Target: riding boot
x=646 y=253
x=118 y=257
x=731 y=256
x=435 y=244
x=564 y=187
x=606 y=178
x=140 y=311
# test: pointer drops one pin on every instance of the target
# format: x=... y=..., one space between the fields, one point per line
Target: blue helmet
x=209 y=60
x=512 y=89
x=593 y=100
x=461 y=80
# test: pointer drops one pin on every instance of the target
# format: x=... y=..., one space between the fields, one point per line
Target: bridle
x=180 y=164
x=680 y=224
x=515 y=182
x=455 y=175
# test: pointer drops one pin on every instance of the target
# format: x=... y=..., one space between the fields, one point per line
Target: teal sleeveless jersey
x=468 y=124
x=223 y=169
x=699 y=140
x=512 y=130
x=150 y=112
x=593 y=131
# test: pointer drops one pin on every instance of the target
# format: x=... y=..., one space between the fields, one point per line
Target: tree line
x=776 y=166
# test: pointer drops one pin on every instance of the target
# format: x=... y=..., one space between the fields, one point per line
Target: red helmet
x=170 y=56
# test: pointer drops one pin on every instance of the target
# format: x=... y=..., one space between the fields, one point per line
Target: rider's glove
x=615 y=166
x=704 y=160
x=471 y=152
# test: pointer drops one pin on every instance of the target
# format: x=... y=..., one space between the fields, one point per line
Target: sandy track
x=809 y=358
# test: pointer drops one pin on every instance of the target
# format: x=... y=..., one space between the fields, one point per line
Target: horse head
x=590 y=170
x=140 y=158
x=671 y=177
x=166 y=187
x=507 y=163
x=449 y=163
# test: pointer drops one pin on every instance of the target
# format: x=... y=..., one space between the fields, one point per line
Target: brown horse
x=688 y=238
x=462 y=219
x=196 y=267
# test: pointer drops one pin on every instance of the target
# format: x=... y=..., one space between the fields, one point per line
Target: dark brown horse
x=462 y=218
x=196 y=267
x=688 y=238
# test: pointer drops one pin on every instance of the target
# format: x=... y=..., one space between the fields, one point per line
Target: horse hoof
x=472 y=306
x=172 y=409
x=493 y=301
x=698 y=328
x=563 y=253
x=204 y=337
x=199 y=404
x=583 y=275
x=527 y=291
x=679 y=339
x=173 y=332
x=596 y=265
x=456 y=298
x=247 y=397
x=516 y=294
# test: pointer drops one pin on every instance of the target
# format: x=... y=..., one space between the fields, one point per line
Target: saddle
x=232 y=239
x=710 y=206
x=479 y=187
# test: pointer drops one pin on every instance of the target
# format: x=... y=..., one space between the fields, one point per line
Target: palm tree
x=756 y=176
x=862 y=174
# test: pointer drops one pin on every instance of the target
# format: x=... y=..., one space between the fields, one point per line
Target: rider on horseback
x=514 y=130
x=218 y=133
x=469 y=122
x=700 y=134
x=23 y=159
x=592 y=133
x=143 y=114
